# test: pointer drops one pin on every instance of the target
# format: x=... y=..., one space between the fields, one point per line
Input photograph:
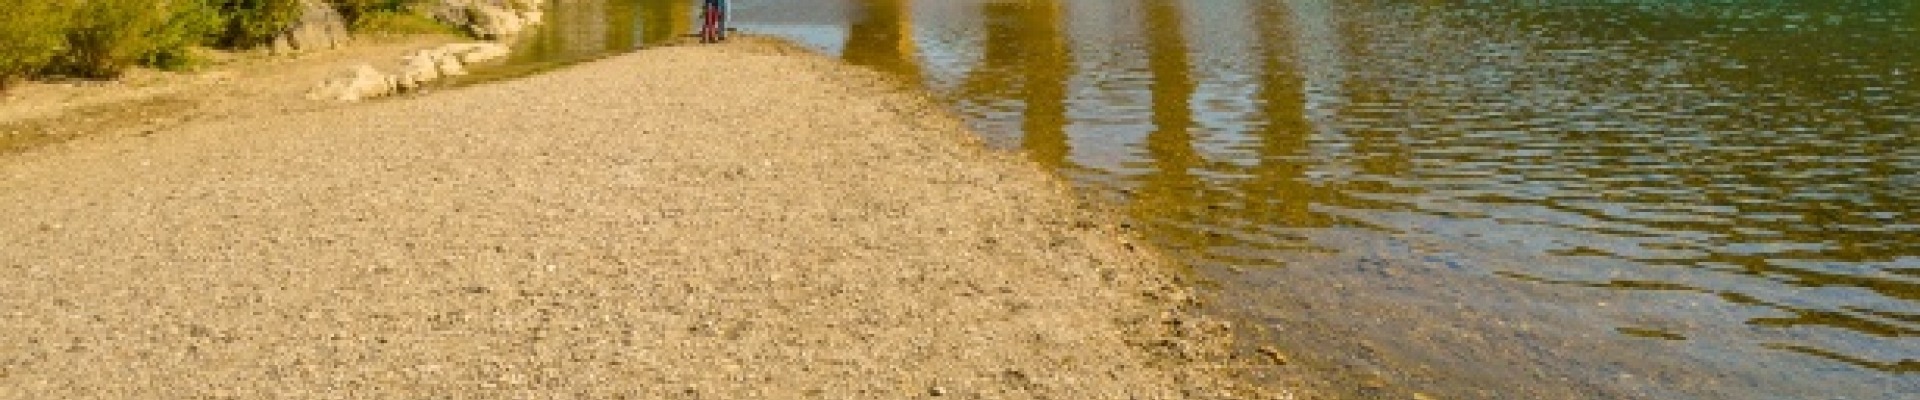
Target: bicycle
x=713 y=18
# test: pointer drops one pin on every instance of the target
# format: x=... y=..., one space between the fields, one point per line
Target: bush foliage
x=358 y=11
x=101 y=38
x=107 y=36
x=31 y=36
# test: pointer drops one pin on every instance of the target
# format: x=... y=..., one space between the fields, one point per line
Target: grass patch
x=400 y=23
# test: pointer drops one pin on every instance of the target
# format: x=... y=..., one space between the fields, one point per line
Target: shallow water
x=1461 y=199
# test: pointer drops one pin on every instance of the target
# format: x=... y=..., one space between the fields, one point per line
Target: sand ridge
x=735 y=221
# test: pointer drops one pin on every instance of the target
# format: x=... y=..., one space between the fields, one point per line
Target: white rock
x=475 y=53
x=281 y=45
x=450 y=66
x=370 y=83
x=393 y=83
x=496 y=22
x=404 y=82
x=419 y=68
x=357 y=83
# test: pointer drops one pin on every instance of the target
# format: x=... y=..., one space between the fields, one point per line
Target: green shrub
x=357 y=10
x=32 y=34
x=192 y=23
x=251 y=23
x=101 y=38
x=107 y=36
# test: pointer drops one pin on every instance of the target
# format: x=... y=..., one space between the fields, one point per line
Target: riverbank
x=737 y=221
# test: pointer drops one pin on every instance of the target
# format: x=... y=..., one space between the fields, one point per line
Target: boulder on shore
x=320 y=27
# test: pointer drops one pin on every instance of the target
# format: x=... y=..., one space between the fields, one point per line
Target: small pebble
x=1274 y=354
x=1373 y=382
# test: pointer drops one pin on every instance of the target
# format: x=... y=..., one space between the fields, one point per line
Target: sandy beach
x=723 y=222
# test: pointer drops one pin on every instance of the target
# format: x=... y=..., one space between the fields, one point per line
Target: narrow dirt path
x=739 y=221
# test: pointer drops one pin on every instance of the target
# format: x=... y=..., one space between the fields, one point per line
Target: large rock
x=320 y=27
x=357 y=83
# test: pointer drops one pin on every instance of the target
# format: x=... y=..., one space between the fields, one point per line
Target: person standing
x=714 y=15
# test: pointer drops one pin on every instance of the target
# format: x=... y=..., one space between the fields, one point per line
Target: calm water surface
x=1465 y=199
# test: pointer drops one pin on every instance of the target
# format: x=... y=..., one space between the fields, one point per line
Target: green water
x=1464 y=199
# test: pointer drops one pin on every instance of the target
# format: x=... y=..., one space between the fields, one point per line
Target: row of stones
x=363 y=81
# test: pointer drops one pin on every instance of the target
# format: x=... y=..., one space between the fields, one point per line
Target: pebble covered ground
x=729 y=222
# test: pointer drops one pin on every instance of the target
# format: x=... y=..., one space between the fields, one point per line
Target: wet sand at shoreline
x=739 y=221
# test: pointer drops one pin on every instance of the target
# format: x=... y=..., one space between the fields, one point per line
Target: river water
x=1461 y=199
